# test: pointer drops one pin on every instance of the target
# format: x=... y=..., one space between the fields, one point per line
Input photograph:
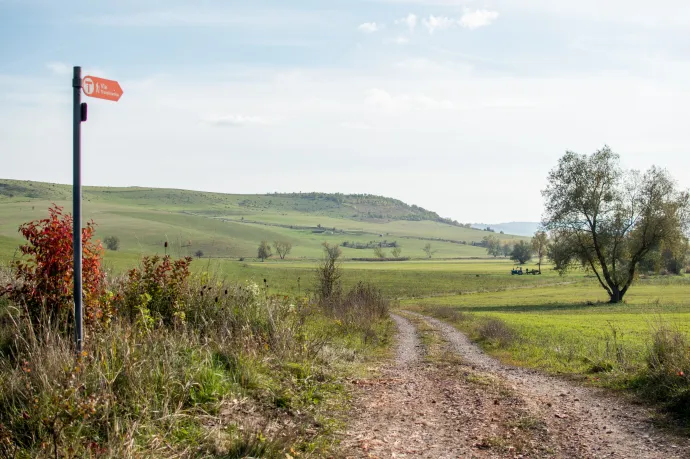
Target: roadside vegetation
x=175 y=363
x=641 y=346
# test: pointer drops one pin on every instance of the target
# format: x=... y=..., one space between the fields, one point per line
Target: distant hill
x=365 y=207
x=516 y=228
x=232 y=225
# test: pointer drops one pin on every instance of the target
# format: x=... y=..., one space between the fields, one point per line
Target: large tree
x=427 y=249
x=264 y=250
x=282 y=248
x=607 y=219
x=522 y=252
x=539 y=243
x=493 y=245
x=506 y=249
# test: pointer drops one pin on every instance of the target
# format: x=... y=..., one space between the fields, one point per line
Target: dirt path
x=445 y=398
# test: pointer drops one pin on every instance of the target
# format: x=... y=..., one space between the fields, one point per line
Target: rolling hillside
x=232 y=225
x=517 y=228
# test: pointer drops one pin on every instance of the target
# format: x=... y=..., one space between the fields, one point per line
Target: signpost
x=102 y=89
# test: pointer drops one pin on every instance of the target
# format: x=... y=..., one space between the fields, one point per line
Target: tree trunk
x=616 y=295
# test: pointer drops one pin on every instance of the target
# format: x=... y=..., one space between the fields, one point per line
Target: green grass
x=395 y=279
x=563 y=324
x=206 y=386
x=231 y=226
x=572 y=330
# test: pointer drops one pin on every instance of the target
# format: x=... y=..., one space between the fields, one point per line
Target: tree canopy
x=522 y=252
x=264 y=250
x=540 y=242
x=493 y=245
x=427 y=249
x=282 y=248
x=607 y=219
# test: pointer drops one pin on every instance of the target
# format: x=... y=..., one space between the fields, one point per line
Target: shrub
x=665 y=377
x=43 y=278
x=154 y=292
x=668 y=352
x=112 y=243
x=449 y=314
x=242 y=313
x=359 y=309
x=264 y=250
x=496 y=331
x=328 y=273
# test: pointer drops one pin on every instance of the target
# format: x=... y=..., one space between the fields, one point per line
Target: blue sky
x=458 y=106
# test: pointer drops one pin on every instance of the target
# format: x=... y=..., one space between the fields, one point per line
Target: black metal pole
x=76 y=210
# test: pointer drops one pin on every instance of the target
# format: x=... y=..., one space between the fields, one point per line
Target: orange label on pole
x=101 y=88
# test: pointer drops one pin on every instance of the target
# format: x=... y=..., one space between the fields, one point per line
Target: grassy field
x=571 y=329
x=406 y=279
x=231 y=226
x=558 y=324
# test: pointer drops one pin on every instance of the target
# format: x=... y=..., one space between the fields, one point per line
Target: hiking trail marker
x=101 y=89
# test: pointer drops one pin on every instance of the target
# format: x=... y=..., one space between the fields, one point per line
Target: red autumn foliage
x=44 y=276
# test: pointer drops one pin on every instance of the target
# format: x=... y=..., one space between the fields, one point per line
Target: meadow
x=572 y=330
x=558 y=324
x=144 y=230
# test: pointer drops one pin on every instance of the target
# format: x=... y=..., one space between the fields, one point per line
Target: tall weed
x=666 y=377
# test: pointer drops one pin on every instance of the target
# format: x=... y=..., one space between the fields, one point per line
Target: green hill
x=232 y=225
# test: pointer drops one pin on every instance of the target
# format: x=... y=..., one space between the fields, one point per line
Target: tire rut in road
x=408 y=350
x=587 y=422
x=428 y=405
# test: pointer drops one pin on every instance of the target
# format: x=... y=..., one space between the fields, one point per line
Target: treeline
x=369 y=245
x=416 y=213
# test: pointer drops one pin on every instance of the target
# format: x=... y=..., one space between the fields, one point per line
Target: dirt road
x=444 y=398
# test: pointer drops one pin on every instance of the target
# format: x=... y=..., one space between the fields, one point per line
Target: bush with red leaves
x=44 y=275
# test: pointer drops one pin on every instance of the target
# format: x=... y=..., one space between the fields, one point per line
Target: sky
x=458 y=106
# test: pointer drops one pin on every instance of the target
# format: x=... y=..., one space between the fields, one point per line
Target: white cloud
x=433 y=23
x=356 y=125
x=59 y=68
x=369 y=27
x=476 y=19
x=400 y=40
x=469 y=20
x=227 y=16
x=398 y=103
x=410 y=21
x=237 y=120
x=661 y=14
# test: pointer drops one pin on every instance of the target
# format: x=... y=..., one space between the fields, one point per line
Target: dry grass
x=495 y=331
x=243 y=374
x=667 y=376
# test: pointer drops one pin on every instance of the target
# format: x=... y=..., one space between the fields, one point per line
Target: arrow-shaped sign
x=101 y=88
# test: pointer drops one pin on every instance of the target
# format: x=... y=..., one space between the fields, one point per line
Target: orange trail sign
x=101 y=88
